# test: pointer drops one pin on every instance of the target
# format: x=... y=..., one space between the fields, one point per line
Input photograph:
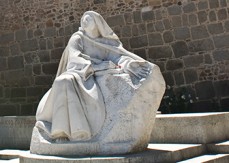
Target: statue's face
x=88 y=23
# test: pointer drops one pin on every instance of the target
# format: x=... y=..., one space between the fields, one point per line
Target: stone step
x=213 y=158
x=16 y=160
x=154 y=153
x=196 y=128
x=222 y=147
x=9 y=154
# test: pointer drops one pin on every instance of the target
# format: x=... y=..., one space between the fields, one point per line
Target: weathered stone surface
x=180 y=49
x=6 y=38
x=3 y=64
x=4 y=51
x=43 y=80
x=185 y=19
x=15 y=49
x=31 y=57
x=116 y=20
x=37 y=69
x=202 y=16
x=16 y=62
x=179 y=77
x=202 y=5
x=29 y=45
x=215 y=28
x=205 y=127
x=193 y=60
x=42 y=44
x=226 y=25
x=138 y=42
x=159 y=26
x=221 y=41
x=207 y=59
x=155 y=39
x=221 y=55
x=182 y=33
x=190 y=7
x=200 y=45
x=16 y=131
x=169 y=80
x=58 y=42
x=225 y=104
x=50 y=68
x=148 y=15
x=128 y=18
x=18 y=92
x=167 y=24
x=21 y=35
x=212 y=16
x=126 y=31
x=199 y=32
x=8 y=110
x=160 y=52
x=174 y=64
x=190 y=76
x=192 y=19
x=205 y=90
x=137 y=16
x=38 y=32
x=34 y=91
x=176 y=21
x=213 y=4
x=168 y=36
x=141 y=29
x=44 y=56
x=150 y=27
x=222 y=14
x=50 y=32
x=222 y=88
x=174 y=10
x=56 y=53
x=14 y=77
x=141 y=53
x=68 y=30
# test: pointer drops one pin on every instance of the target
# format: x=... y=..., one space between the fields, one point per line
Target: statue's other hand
x=141 y=69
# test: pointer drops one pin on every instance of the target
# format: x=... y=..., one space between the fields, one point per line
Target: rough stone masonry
x=188 y=39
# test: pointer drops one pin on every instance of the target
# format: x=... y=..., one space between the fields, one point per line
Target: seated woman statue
x=75 y=109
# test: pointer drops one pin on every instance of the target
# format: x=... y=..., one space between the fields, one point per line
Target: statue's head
x=88 y=22
x=92 y=20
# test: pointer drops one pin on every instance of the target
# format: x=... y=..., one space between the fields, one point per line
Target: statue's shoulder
x=76 y=37
x=77 y=34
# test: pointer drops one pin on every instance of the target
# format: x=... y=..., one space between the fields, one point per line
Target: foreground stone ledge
x=197 y=128
x=154 y=153
x=16 y=131
x=222 y=147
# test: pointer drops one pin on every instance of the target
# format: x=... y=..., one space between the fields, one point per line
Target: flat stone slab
x=194 y=128
x=197 y=128
x=214 y=158
x=222 y=147
x=8 y=154
x=154 y=153
x=16 y=131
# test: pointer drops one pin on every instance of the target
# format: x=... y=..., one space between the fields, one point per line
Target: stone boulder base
x=131 y=110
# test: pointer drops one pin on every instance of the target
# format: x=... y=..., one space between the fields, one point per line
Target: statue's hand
x=141 y=69
x=105 y=65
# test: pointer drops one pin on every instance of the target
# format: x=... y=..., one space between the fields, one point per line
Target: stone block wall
x=188 y=39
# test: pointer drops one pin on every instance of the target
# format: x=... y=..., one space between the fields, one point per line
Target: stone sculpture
x=104 y=98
